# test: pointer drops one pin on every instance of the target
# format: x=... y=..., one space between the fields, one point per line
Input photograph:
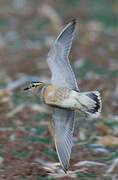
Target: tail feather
x=90 y=102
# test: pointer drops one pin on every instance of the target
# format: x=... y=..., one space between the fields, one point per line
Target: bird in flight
x=63 y=94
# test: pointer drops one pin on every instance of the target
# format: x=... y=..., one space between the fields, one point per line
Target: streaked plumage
x=64 y=96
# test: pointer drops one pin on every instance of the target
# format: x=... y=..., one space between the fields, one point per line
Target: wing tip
x=73 y=21
x=65 y=170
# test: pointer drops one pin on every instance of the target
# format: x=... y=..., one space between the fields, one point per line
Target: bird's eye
x=33 y=85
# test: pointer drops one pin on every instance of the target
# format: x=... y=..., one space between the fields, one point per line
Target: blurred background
x=27 y=30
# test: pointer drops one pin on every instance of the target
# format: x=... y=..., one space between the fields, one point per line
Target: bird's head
x=34 y=85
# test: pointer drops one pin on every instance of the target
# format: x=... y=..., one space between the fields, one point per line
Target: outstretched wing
x=63 y=75
x=64 y=126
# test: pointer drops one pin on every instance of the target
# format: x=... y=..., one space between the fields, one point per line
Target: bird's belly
x=71 y=102
x=60 y=96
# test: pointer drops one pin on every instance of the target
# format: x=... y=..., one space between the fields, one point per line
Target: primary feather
x=64 y=126
x=63 y=75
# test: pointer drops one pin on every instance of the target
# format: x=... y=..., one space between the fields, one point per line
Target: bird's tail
x=90 y=102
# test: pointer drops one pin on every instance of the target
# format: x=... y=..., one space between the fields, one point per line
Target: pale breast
x=54 y=95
